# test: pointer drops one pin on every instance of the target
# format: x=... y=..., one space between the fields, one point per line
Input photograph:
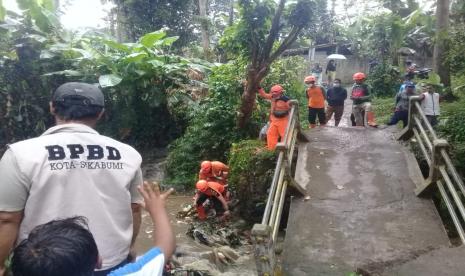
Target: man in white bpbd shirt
x=71 y=170
x=430 y=104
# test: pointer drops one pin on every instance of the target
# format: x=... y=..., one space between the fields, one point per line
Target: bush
x=252 y=168
x=212 y=127
x=383 y=109
x=211 y=130
x=384 y=80
x=452 y=128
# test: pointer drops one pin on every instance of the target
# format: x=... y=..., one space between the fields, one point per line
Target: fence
x=264 y=235
x=442 y=172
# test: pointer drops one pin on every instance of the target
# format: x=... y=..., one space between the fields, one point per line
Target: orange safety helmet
x=206 y=166
x=201 y=185
x=359 y=76
x=277 y=89
x=310 y=79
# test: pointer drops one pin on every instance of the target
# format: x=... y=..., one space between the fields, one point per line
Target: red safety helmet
x=310 y=79
x=359 y=76
x=206 y=166
x=201 y=185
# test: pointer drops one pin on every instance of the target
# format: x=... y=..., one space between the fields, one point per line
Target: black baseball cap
x=79 y=93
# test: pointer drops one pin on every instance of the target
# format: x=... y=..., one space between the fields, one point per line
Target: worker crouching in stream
x=217 y=196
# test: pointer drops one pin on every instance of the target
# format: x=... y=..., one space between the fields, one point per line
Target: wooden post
x=265 y=259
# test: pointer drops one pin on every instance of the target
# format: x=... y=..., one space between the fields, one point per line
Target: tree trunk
x=204 y=26
x=442 y=24
x=231 y=13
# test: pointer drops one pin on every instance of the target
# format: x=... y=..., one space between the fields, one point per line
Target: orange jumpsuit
x=218 y=172
x=278 y=126
x=212 y=193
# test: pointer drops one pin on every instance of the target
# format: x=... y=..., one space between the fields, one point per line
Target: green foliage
x=138 y=17
x=452 y=128
x=455 y=56
x=212 y=127
x=252 y=168
x=24 y=92
x=211 y=130
x=251 y=31
x=143 y=84
x=380 y=35
x=383 y=108
x=384 y=80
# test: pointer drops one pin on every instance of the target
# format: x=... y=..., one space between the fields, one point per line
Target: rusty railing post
x=436 y=162
x=265 y=258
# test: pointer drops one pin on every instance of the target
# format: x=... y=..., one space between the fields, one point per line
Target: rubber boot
x=371 y=119
x=201 y=212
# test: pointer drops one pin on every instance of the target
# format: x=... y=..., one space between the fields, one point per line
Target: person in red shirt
x=214 y=171
x=316 y=102
x=216 y=193
x=279 y=114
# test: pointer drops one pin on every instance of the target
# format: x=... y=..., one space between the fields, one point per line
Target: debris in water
x=340 y=187
x=322 y=153
x=317 y=167
x=306 y=198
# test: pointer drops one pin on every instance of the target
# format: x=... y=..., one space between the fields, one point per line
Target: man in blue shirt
x=402 y=104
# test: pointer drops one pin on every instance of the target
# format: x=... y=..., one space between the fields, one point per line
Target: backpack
x=280 y=113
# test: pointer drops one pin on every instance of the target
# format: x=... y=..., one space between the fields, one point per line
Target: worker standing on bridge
x=362 y=101
x=402 y=104
x=336 y=96
x=216 y=193
x=316 y=102
x=214 y=171
x=279 y=114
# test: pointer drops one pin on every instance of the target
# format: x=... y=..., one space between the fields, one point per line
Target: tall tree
x=204 y=25
x=439 y=55
x=261 y=36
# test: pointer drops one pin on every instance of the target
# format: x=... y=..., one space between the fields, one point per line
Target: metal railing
x=442 y=172
x=264 y=235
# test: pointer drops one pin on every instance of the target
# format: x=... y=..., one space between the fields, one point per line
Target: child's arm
x=155 y=204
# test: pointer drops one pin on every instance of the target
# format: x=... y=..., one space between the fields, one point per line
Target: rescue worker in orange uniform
x=316 y=96
x=279 y=114
x=216 y=193
x=214 y=171
x=362 y=101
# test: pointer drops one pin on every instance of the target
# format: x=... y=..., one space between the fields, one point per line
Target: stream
x=192 y=255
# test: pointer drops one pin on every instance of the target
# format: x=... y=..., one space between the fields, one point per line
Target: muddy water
x=193 y=252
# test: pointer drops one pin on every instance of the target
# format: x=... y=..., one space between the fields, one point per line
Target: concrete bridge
x=362 y=212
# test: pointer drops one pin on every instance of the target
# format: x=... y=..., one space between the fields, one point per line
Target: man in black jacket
x=336 y=96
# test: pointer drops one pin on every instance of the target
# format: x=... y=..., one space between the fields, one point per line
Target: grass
x=383 y=108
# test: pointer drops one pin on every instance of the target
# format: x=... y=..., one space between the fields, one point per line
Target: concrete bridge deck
x=363 y=214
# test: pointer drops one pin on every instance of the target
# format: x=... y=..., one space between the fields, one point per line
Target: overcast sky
x=90 y=13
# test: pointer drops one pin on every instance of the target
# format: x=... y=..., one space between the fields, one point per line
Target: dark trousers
x=338 y=110
x=399 y=116
x=313 y=113
x=215 y=201
x=433 y=120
